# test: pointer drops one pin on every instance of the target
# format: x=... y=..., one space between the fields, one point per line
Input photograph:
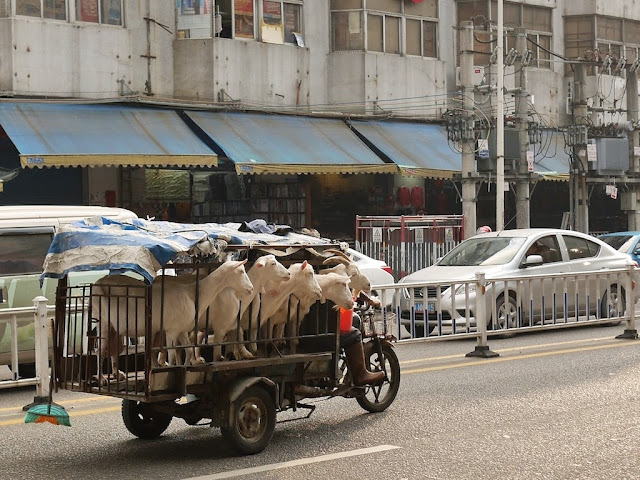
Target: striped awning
x=419 y=149
x=80 y=135
x=265 y=143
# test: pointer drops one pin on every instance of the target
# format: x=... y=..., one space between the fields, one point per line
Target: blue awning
x=419 y=149
x=71 y=135
x=551 y=160
x=264 y=143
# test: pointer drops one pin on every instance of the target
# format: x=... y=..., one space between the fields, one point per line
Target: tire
x=253 y=420
x=377 y=398
x=142 y=420
x=615 y=297
x=507 y=313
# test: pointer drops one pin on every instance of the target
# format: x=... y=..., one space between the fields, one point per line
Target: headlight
x=460 y=290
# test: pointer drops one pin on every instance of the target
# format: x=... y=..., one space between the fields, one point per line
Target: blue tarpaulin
x=145 y=246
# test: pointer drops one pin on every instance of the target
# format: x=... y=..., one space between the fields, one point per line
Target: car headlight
x=460 y=289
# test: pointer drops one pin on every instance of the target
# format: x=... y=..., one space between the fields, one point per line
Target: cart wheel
x=142 y=420
x=377 y=398
x=253 y=421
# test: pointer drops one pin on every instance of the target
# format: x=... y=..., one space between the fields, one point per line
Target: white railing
x=428 y=310
x=15 y=317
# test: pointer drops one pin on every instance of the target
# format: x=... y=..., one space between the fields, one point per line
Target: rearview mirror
x=533 y=260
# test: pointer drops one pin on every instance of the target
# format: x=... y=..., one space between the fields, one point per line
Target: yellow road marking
x=504 y=350
x=517 y=357
x=472 y=363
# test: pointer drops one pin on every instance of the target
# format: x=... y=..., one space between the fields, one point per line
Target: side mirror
x=533 y=260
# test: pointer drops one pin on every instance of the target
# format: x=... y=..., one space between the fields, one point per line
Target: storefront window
x=5 y=8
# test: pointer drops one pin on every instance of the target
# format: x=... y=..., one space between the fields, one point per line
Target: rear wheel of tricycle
x=143 y=420
x=378 y=397
x=253 y=420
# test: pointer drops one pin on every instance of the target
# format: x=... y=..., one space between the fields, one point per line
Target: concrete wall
x=6 y=56
x=253 y=72
x=56 y=58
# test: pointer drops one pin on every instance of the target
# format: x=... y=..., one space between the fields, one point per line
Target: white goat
x=225 y=307
x=335 y=287
x=176 y=312
x=303 y=284
x=345 y=266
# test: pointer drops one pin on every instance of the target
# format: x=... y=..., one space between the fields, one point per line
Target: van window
x=23 y=253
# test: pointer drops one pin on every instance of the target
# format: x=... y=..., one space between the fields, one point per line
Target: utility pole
x=468 y=146
x=578 y=168
x=633 y=215
x=523 y=210
x=500 y=122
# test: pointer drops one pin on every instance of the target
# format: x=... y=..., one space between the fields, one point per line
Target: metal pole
x=523 y=205
x=500 y=123
x=468 y=149
x=42 y=347
x=633 y=216
x=581 y=112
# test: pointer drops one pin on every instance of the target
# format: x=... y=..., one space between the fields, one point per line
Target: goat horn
x=337 y=259
x=338 y=252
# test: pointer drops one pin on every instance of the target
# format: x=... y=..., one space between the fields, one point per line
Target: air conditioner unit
x=477 y=76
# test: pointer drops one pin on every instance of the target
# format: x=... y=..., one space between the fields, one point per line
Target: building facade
x=382 y=60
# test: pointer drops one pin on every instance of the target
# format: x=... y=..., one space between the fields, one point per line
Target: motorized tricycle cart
x=116 y=337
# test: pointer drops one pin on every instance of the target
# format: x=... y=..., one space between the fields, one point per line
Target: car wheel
x=506 y=313
x=613 y=304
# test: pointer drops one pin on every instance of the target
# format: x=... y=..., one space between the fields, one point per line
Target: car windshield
x=618 y=241
x=483 y=251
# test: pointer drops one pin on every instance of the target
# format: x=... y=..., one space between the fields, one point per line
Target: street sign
x=529 y=160
x=377 y=234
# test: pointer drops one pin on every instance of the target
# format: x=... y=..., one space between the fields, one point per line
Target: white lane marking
x=295 y=463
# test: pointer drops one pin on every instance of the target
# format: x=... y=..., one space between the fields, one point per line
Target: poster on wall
x=88 y=11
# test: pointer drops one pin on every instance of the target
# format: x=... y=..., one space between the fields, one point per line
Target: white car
x=509 y=253
x=377 y=271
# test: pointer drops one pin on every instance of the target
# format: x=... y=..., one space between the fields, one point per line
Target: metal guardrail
x=10 y=316
x=429 y=313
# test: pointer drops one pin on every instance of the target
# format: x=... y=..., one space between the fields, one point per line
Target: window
x=194 y=18
x=580 y=247
x=347 y=31
x=107 y=12
x=272 y=21
x=421 y=38
x=280 y=21
x=23 y=253
x=388 y=23
x=617 y=37
x=536 y=20
x=243 y=10
x=53 y=9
